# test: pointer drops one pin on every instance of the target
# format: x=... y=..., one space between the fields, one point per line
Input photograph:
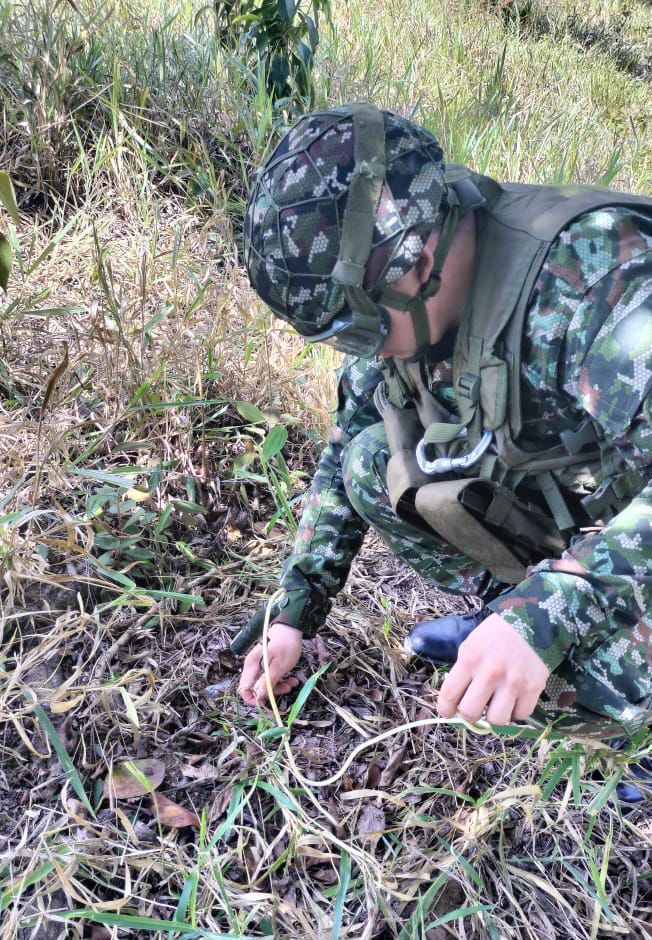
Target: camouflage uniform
x=587 y=349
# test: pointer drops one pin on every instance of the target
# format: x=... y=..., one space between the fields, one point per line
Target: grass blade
x=345 y=878
x=301 y=698
x=63 y=756
x=136 y=922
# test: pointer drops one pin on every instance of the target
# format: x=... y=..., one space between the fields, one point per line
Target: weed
x=157 y=434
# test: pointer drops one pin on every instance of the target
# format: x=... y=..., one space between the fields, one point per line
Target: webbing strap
x=437 y=433
x=416 y=306
x=420 y=324
x=364 y=195
x=444 y=241
x=556 y=502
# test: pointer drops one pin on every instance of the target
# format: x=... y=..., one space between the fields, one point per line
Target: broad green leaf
x=283 y=798
x=8 y=196
x=272 y=733
x=189 y=889
x=244 y=460
x=250 y=412
x=604 y=793
x=459 y=913
x=130 y=708
x=20 y=884
x=113 y=479
x=5 y=262
x=286 y=10
x=163 y=521
x=186 y=505
x=175 y=596
x=274 y=442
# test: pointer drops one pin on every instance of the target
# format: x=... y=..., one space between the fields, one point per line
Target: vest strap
x=556 y=502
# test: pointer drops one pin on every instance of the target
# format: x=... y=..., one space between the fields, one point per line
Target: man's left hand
x=497 y=671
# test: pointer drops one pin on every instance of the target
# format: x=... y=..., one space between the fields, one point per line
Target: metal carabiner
x=448 y=464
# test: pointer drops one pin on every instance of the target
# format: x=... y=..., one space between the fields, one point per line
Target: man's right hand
x=284 y=650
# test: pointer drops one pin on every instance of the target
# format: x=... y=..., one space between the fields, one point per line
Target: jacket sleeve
x=330 y=532
x=600 y=591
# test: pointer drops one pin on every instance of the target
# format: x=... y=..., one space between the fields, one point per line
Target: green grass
x=157 y=433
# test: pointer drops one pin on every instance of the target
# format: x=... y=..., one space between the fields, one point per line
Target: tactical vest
x=515 y=505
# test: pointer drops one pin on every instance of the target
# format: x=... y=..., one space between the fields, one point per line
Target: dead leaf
x=392 y=767
x=100 y=933
x=205 y=772
x=327 y=876
x=320 y=649
x=54 y=378
x=371 y=822
x=171 y=814
x=374 y=772
x=421 y=715
x=134 y=778
x=59 y=708
x=223 y=802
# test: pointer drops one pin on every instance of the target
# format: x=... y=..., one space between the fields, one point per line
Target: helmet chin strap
x=416 y=306
x=370 y=316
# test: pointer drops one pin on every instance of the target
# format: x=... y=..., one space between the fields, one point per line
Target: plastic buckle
x=468 y=386
x=603 y=498
x=574 y=441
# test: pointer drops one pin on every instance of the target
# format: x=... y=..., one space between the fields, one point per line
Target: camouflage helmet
x=296 y=217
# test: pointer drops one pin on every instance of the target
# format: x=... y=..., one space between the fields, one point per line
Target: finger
x=501 y=706
x=248 y=696
x=525 y=705
x=276 y=670
x=285 y=685
x=475 y=699
x=251 y=668
x=455 y=685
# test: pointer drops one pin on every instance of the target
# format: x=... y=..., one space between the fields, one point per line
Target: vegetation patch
x=157 y=434
x=533 y=19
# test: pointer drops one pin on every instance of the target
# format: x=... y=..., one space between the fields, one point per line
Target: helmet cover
x=293 y=222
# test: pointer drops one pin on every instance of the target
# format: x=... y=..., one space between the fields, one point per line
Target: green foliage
x=123 y=527
x=279 y=39
x=8 y=201
x=133 y=534
x=266 y=449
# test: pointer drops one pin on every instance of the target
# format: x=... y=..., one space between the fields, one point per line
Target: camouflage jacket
x=597 y=277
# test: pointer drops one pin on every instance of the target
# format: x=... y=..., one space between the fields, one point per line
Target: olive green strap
x=556 y=502
x=419 y=314
x=437 y=433
x=443 y=243
x=416 y=306
x=364 y=195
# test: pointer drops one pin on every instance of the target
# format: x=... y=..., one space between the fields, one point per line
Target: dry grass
x=134 y=542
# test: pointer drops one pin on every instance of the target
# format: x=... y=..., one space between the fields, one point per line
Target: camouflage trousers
x=574 y=695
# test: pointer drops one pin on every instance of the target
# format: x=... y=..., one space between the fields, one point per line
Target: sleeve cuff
x=549 y=610
x=300 y=610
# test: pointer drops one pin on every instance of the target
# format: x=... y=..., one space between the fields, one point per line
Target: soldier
x=494 y=420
